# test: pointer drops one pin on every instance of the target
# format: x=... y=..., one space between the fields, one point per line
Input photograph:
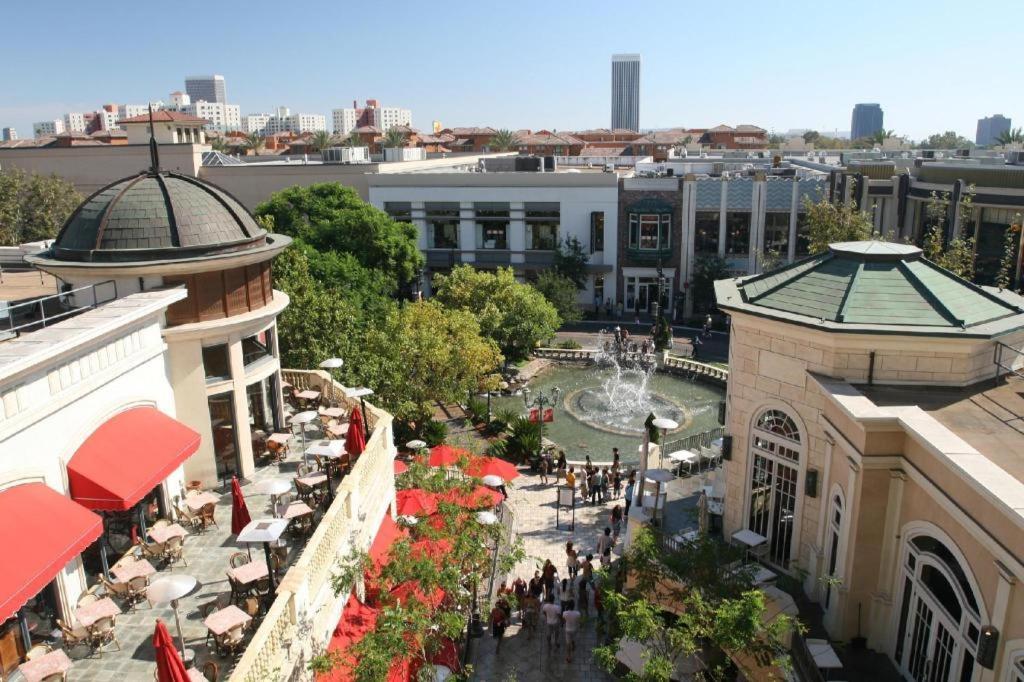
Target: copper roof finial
x=154 y=155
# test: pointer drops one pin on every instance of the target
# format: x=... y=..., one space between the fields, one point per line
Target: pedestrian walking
x=588 y=466
x=629 y=492
x=587 y=569
x=560 y=466
x=544 y=466
x=552 y=620
x=615 y=458
x=606 y=557
x=616 y=484
x=606 y=481
x=571 y=560
x=596 y=488
x=548 y=574
x=570 y=477
x=584 y=485
x=566 y=594
x=572 y=626
x=616 y=523
x=520 y=590
x=499 y=621
x=536 y=587
x=605 y=542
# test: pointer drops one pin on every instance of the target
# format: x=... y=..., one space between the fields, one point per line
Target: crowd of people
x=597 y=484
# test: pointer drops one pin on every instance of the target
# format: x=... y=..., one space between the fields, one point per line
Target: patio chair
x=304 y=491
x=102 y=633
x=187 y=519
x=55 y=677
x=118 y=590
x=137 y=587
x=231 y=641
x=174 y=550
x=86 y=598
x=73 y=636
x=161 y=523
x=206 y=514
x=238 y=591
x=251 y=606
x=319 y=462
x=238 y=559
x=152 y=550
x=210 y=671
x=37 y=650
x=276 y=450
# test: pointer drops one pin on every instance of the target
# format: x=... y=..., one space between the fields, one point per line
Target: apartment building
x=283 y=121
x=373 y=114
x=255 y=123
x=48 y=128
x=207 y=88
x=507 y=218
x=222 y=117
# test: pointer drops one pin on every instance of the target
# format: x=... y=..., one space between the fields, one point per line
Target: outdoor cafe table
x=198 y=501
x=101 y=608
x=250 y=572
x=164 y=534
x=195 y=675
x=54 y=663
x=279 y=438
x=295 y=510
x=749 y=538
x=314 y=479
x=225 y=619
x=338 y=430
x=134 y=569
x=684 y=457
x=333 y=412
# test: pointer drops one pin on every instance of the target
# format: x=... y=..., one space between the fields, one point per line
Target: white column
x=1004 y=595
x=689 y=214
x=757 y=208
x=419 y=219
x=794 y=208
x=814 y=586
x=467 y=231
x=880 y=636
x=721 y=218
x=517 y=231
x=243 y=432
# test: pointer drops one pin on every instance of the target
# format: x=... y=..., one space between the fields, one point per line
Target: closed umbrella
x=702 y=514
x=355 y=437
x=239 y=511
x=169 y=666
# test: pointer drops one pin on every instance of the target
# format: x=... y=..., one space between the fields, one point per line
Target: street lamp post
x=539 y=402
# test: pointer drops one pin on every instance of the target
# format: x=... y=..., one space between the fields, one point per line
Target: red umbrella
x=492 y=466
x=481 y=497
x=239 y=511
x=446 y=456
x=169 y=667
x=355 y=437
x=400 y=467
x=415 y=502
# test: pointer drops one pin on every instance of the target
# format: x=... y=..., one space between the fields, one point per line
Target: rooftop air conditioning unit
x=1015 y=158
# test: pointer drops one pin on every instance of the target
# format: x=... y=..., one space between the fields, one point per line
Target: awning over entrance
x=127 y=457
x=40 y=531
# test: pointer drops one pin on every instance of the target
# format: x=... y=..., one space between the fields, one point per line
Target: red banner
x=549 y=414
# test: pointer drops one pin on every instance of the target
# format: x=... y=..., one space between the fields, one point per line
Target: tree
x=254 y=142
x=811 y=136
x=330 y=217
x=393 y=138
x=428 y=353
x=946 y=140
x=571 y=261
x=503 y=140
x=354 y=140
x=880 y=136
x=34 y=206
x=1011 y=136
x=516 y=316
x=829 y=222
x=957 y=255
x=706 y=269
x=218 y=144
x=776 y=140
x=715 y=611
x=320 y=141
x=560 y=292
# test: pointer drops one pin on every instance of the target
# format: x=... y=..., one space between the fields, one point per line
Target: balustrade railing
x=305 y=610
x=686 y=365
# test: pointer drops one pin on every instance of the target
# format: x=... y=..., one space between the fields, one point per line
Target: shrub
x=435 y=433
x=569 y=344
x=476 y=408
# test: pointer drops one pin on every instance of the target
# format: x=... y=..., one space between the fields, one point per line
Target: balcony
x=648 y=255
x=443 y=258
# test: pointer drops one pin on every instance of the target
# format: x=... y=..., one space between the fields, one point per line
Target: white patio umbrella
x=493 y=480
x=168 y=590
x=273 y=487
x=664 y=425
x=487 y=518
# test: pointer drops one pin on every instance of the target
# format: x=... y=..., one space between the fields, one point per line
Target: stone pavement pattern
x=528 y=659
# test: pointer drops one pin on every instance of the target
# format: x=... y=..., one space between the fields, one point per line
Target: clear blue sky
x=932 y=65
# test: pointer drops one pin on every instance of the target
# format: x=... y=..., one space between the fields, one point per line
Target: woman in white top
x=567 y=594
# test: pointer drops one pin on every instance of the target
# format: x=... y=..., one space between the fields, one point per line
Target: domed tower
x=160 y=229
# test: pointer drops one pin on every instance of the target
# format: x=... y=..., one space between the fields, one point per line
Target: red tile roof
x=164 y=116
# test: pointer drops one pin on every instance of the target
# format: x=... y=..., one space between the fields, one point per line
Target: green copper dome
x=157 y=216
x=871 y=286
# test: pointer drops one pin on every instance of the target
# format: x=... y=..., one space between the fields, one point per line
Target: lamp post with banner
x=540 y=401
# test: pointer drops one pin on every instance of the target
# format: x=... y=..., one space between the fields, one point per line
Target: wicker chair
x=238 y=559
x=37 y=650
x=137 y=587
x=206 y=514
x=238 y=590
x=210 y=671
x=120 y=590
x=174 y=550
x=231 y=641
x=73 y=636
x=187 y=518
x=87 y=598
x=251 y=606
x=102 y=633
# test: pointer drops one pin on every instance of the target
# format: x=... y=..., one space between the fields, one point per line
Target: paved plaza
x=528 y=659
x=207 y=555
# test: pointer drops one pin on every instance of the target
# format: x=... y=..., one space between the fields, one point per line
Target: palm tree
x=503 y=140
x=219 y=144
x=1011 y=136
x=880 y=136
x=321 y=141
x=254 y=142
x=353 y=140
x=393 y=138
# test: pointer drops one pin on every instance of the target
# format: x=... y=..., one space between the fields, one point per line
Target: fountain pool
x=605 y=407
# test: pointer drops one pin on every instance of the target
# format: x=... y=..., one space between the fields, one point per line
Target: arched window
x=835 y=525
x=1017 y=669
x=774 y=482
x=940 y=623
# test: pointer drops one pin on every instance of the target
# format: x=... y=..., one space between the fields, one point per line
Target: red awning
x=40 y=531
x=356 y=621
x=127 y=457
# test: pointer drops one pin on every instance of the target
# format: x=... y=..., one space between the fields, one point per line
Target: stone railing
x=568 y=354
x=680 y=365
x=300 y=621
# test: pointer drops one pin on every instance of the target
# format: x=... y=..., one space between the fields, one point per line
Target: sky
x=933 y=65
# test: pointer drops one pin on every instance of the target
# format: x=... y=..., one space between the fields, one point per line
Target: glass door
x=225 y=436
x=933 y=646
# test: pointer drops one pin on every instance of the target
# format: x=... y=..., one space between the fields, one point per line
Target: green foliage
x=33 y=206
x=477 y=409
x=522 y=443
x=560 y=292
x=811 y=136
x=829 y=222
x=435 y=433
x=957 y=256
x=321 y=140
x=354 y=140
x=946 y=140
x=516 y=316
x=330 y=217
x=504 y=140
x=706 y=269
x=662 y=333
x=502 y=418
x=569 y=344
x=879 y=136
x=1008 y=263
x=571 y=260
x=394 y=138
x=255 y=143
x=1011 y=136
x=323 y=663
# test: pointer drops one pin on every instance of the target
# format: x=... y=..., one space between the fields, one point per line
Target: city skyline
x=719 y=84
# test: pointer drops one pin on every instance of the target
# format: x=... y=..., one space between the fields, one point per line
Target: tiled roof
x=471 y=131
x=870 y=284
x=156 y=216
x=549 y=139
x=367 y=129
x=164 y=116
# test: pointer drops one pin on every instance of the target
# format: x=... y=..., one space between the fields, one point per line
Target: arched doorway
x=775 y=473
x=940 y=619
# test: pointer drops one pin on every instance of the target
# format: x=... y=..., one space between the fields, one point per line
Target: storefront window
x=706 y=232
x=776 y=233
x=990 y=241
x=261 y=407
x=492 y=221
x=442 y=225
x=225 y=445
x=596 y=231
x=542 y=226
x=258 y=347
x=649 y=231
x=216 y=363
x=737 y=233
x=399 y=210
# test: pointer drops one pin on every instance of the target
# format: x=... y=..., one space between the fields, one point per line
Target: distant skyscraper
x=8 y=134
x=626 y=91
x=867 y=120
x=206 y=88
x=991 y=127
